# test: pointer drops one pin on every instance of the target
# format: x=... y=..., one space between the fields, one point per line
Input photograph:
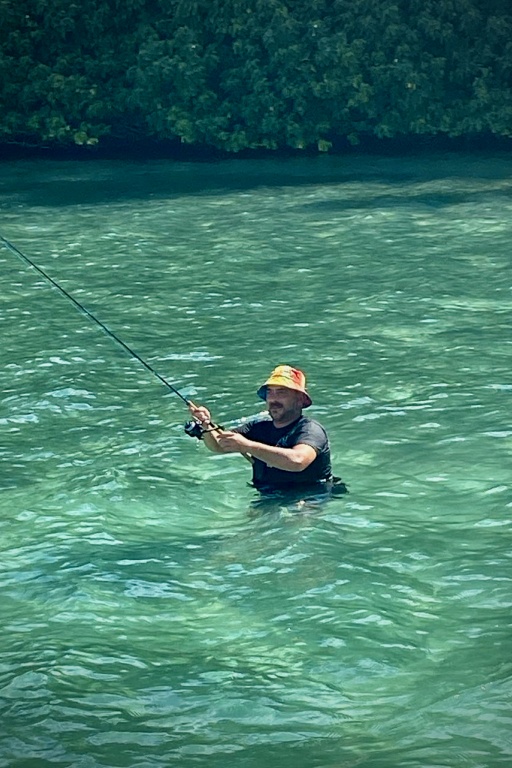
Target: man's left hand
x=232 y=442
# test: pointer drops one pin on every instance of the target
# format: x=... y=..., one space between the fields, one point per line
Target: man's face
x=284 y=405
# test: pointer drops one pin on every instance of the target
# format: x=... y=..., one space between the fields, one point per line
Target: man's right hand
x=200 y=413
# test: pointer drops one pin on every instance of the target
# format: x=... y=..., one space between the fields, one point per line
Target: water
x=148 y=619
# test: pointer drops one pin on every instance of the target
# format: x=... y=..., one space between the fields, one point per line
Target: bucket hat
x=286 y=376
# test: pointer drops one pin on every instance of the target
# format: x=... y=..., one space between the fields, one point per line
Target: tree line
x=245 y=74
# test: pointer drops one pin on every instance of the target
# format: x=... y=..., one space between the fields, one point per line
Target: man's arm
x=294 y=459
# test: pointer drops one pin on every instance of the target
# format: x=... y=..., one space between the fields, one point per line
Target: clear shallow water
x=148 y=619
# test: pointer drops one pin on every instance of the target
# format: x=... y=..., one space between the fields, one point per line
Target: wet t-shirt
x=304 y=431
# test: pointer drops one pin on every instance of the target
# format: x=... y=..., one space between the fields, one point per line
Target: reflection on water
x=155 y=610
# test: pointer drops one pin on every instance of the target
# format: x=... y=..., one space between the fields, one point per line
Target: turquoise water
x=149 y=619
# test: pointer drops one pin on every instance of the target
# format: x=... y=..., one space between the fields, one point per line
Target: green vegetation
x=237 y=74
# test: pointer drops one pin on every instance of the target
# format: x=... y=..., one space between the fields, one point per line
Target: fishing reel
x=194 y=429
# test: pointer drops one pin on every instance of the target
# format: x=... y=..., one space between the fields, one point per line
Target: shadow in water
x=64 y=183
x=283 y=503
x=405 y=199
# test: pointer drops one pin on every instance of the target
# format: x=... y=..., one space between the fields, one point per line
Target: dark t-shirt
x=304 y=430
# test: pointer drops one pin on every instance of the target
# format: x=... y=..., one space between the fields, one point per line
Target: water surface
x=149 y=619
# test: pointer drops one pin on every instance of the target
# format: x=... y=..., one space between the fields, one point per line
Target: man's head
x=285 y=394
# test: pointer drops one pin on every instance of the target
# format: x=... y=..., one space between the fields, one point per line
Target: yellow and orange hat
x=286 y=376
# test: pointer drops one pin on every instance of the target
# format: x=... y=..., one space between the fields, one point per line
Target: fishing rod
x=193 y=428
x=90 y=315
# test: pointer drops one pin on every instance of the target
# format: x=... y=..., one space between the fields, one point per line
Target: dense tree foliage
x=236 y=74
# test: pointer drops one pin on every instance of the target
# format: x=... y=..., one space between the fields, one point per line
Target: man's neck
x=287 y=422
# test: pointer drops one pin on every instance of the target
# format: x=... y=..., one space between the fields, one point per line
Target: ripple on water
x=149 y=615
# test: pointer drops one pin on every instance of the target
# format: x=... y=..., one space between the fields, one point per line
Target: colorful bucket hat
x=286 y=376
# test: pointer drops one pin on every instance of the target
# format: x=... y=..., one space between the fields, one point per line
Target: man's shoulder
x=309 y=423
x=311 y=432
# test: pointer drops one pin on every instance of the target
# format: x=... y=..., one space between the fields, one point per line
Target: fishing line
x=90 y=315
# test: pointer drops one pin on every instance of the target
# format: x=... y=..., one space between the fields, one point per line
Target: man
x=288 y=450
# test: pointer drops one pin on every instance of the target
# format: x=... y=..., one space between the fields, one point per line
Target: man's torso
x=305 y=431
